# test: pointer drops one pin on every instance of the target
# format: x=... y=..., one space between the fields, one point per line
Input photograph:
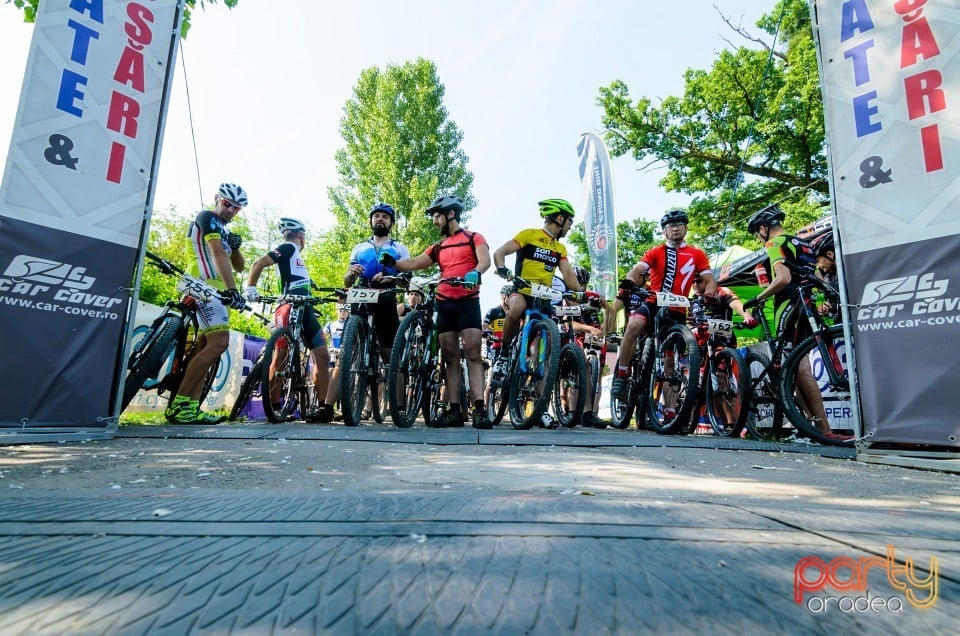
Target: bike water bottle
x=763 y=278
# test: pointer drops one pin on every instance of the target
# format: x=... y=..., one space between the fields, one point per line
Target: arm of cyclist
x=221 y=261
x=781 y=278
x=500 y=258
x=413 y=263
x=250 y=291
x=736 y=305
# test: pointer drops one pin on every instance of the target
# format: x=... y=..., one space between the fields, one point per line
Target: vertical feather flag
x=596 y=177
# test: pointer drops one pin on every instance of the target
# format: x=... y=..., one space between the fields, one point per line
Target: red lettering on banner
x=932 y=153
x=123 y=113
x=130 y=69
x=917 y=42
x=138 y=29
x=115 y=162
x=924 y=88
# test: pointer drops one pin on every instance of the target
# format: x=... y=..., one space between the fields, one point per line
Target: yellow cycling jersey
x=538 y=257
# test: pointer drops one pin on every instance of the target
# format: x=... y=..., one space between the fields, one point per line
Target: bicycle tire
x=286 y=366
x=406 y=370
x=642 y=372
x=678 y=342
x=727 y=367
x=792 y=408
x=498 y=400
x=764 y=412
x=572 y=371
x=377 y=394
x=353 y=375
x=149 y=354
x=593 y=372
x=249 y=388
x=529 y=392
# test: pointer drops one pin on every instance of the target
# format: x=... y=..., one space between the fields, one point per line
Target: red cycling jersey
x=673 y=269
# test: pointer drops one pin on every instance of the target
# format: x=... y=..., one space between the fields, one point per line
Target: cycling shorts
x=212 y=315
x=312 y=333
x=457 y=315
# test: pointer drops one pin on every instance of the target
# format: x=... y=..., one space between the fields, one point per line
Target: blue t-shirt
x=368 y=255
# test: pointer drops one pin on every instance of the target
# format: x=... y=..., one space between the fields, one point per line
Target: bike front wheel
x=248 y=390
x=825 y=355
x=281 y=379
x=728 y=380
x=407 y=375
x=354 y=357
x=764 y=411
x=149 y=354
x=673 y=381
x=570 y=389
x=531 y=388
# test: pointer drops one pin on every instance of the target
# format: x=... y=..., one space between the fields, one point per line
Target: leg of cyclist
x=636 y=327
x=313 y=334
x=809 y=392
x=471 y=339
x=213 y=340
x=516 y=306
x=450 y=350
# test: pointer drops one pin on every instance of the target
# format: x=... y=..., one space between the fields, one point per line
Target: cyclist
x=218 y=256
x=671 y=267
x=726 y=305
x=460 y=254
x=365 y=266
x=295 y=280
x=333 y=332
x=493 y=322
x=826 y=255
x=414 y=297
x=591 y=324
x=788 y=252
x=539 y=253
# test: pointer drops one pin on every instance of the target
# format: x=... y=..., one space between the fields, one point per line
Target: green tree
x=634 y=237
x=399 y=147
x=747 y=132
x=29 y=8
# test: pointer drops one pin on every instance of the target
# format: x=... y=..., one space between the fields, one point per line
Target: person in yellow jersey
x=539 y=253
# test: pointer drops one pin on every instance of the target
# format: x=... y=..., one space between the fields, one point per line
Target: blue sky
x=268 y=81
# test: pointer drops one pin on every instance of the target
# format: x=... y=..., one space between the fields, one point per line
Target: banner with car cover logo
x=600 y=223
x=74 y=206
x=890 y=77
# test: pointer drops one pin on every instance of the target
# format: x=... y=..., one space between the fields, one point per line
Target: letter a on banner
x=74 y=207
x=596 y=177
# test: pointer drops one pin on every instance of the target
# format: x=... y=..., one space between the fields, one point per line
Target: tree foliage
x=747 y=132
x=400 y=147
x=634 y=237
x=29 y=8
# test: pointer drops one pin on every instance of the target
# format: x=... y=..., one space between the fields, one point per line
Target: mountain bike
x=172 y=338
x=415 y=376
x=361 y=374
x=824 y=350
x=250 y=387
x=672 y=387
x=573 y=382
x=724 y=375
x=497 y=398
x=534 y=359
x=286 y=384
x=764 y=410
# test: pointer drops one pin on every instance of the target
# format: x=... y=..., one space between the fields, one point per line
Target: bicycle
x=497 y=398
x=573 y=384
x=360 y=348
x=173 y=336
x=534 y=359
x=250 y=387
x=764 y=411
x=415 y=375
x=825 y=347
x=724 y=374
x=286 y=384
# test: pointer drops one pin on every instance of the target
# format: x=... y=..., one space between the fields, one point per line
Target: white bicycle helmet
x=287 y=224
x=233 y=192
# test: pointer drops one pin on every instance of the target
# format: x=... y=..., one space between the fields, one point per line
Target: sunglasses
x=674 y=224
x=230 y=204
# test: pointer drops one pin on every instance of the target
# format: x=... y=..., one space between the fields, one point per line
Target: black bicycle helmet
x=445 y=203
x=386 y=208
x=824 y=244
x=770 y=215
x=583 y=275
x=674 y=216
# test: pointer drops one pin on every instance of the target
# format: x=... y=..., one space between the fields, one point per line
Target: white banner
x=596 y=178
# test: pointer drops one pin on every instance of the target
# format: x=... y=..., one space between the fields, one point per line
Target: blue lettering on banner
x=854 y=16
x=81 y=41
x=863 y=110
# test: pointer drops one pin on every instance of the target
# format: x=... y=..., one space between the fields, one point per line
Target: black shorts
x=457 y=315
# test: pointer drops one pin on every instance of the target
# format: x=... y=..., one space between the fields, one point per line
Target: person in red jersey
x=671 y=267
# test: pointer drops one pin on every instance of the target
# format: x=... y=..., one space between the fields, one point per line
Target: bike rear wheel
x=149 y=354
x=673 y=381
x=572 y=376
x=530 y=390
x=829 y=348
x=764 y=411
x=354 y=357
x=407 y=374
x=728 y=380
x=281 y=380
x=248 y=390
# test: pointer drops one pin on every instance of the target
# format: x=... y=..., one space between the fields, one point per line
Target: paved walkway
x=324 y=529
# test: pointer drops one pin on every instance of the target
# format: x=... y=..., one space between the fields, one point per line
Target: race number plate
x=720 y=327
x=666 y=299
x=196 y=288
x=542 y=291
x=363 y=296
x=564 y=310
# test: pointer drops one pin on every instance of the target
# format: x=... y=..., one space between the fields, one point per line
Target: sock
x=479 y=405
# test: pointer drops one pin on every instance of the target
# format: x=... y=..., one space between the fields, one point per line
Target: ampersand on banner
x=59 y=152
x=873 y=172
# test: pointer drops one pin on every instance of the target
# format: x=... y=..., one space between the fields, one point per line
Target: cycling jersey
x=797 y=254
x=368 y=254
x=335 y=329
x=495 y=318
x=538 y=257
x=294 y=277
x=722 y=310
x=205 y=227
x=456 y=255
x=672 y=269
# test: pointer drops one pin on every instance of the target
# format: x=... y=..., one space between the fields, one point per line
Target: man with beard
x=218 y=255
x=365 y=267
x=539 y=252
x=461 y=254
